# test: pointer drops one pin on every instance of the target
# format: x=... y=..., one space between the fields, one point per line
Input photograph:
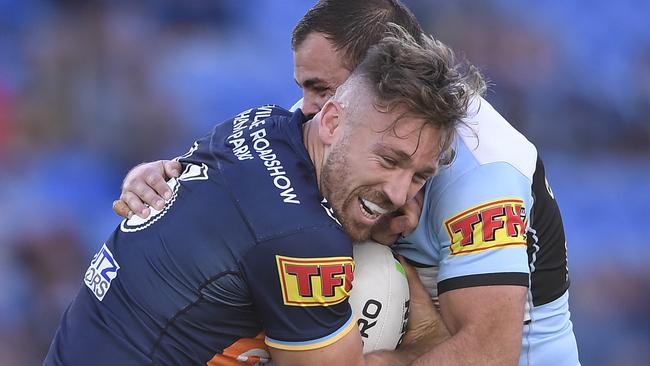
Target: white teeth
x=376 y=209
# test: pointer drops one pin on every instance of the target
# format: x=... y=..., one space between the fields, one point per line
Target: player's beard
x=341 y=194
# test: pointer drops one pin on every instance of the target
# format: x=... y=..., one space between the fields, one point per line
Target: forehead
x=316 y=57
x=408 y=136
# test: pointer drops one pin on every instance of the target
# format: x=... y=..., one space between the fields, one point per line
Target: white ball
x=379 y=297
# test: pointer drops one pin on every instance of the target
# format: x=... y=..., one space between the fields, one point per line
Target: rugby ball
x=379 y=296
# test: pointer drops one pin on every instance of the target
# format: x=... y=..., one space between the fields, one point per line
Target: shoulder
x=491 y=160
x=310 y=243
x=261 y=159
x=302 y=280
x=486 y=137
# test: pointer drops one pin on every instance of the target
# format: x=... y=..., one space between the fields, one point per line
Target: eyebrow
x=312 y=83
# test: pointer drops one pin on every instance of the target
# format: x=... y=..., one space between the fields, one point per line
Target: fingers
x=145 y=184
x=148 y=191
x=172 y=169
x=416 y=288
x=402 y=225
x=155 y=190
x=384 y=233
x=403 y=222
x=390 y=228
x=135 y=204
x=409 y=223
x=424 y=322
x=410 y=217
x=120 y=208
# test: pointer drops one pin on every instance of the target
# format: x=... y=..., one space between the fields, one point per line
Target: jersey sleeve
x=480 y=221
x=300 y=285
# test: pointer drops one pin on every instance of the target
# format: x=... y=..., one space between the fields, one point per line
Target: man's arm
x=425 y=330
x=146 y=184
x=348 y=351
x=486 y=324
x=475 y=220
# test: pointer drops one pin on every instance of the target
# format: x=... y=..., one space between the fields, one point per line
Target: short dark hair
x=354 y=25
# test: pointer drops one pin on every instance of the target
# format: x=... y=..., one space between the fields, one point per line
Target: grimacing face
x=318 y=70
x=375 y=164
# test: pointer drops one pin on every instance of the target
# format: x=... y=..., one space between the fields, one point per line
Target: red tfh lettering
x=349 y=277
x=331 y=277
x=510 y=216
x=491 y=224
x=515 y=217
x=466 y=228
x=303 y=274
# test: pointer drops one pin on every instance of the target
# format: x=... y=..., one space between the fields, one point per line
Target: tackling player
x=490 y=240
x=247 y=251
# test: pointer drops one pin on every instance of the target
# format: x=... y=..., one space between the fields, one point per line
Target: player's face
x=318 y=71
x=375 y=165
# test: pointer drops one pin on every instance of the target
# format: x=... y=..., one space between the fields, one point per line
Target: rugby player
x=254 y=245
x=490 y=241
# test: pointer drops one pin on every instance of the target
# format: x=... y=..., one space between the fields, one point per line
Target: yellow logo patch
x=315 y=281
x=490 y=225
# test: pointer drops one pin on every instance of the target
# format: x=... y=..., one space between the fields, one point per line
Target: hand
x=425 y=329
x=146 y=184
x=405 y=220
x=425 y=322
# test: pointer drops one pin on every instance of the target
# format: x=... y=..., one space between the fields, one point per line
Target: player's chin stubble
x=338 y=192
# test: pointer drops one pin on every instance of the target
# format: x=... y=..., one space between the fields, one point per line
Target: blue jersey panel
x=243 y=237
x=300 y=286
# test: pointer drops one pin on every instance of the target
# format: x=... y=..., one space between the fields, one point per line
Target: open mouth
x=370 y=209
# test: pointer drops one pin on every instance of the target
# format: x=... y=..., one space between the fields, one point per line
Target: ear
x=330 y=121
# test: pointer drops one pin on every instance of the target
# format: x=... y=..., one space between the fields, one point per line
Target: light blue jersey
x=490 y=218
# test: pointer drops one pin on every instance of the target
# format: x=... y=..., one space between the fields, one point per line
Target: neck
x=314 y=147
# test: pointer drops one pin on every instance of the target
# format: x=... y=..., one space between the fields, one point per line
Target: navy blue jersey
x=244 y=253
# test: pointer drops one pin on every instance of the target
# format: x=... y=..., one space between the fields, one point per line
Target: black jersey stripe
x=484 y=279
x=547 y=255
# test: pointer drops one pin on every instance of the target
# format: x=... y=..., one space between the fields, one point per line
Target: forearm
x=402 y=357
x=486 y=323
x=455 y=351
x=465 y=348
x=407 y=354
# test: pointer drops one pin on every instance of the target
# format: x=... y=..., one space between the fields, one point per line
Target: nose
x=310 y=105
x=309 y=110
x=399 y=189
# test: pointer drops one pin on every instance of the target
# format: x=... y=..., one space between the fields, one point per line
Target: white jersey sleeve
x=489 y=218
x=476 y=211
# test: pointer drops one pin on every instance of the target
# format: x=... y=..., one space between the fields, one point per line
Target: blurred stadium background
x=88 y=89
